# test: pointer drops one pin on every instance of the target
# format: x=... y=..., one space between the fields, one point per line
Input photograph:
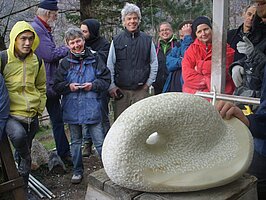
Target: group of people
x=77 y=89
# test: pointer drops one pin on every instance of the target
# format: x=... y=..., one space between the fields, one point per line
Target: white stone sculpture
x=175 y=142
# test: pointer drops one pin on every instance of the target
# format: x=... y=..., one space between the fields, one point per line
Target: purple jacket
x=48 y=51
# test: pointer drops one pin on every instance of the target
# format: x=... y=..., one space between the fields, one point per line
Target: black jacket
x=132 y=67
x=233 y=37
x=253 y=64
x=162 y=73
x=95 y=41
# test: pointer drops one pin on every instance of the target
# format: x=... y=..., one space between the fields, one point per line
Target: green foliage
x=73 y=18
x=44 y=135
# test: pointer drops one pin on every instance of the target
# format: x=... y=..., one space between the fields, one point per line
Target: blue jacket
x=4 y=106
x=82 y=107
x=258 y=121
x=173 y=63
x=255 y=80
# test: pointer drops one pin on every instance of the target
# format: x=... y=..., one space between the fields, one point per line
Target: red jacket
x=196 y=68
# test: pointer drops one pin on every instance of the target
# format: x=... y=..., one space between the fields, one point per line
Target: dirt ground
x=59 y=182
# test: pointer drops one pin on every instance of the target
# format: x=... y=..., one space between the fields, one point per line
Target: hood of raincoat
x=18 y=28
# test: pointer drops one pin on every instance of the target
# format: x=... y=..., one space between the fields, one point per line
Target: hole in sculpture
x=153 y=139
x=156 y=142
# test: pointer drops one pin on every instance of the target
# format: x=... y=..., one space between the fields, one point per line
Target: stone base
x=101 y=187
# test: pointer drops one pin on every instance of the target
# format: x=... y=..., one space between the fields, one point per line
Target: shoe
x=86 y=152
x=76 y=179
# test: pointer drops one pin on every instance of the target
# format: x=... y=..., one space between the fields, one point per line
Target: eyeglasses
x=165 y=30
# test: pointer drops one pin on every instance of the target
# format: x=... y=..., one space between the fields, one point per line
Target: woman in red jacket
x=196 y=65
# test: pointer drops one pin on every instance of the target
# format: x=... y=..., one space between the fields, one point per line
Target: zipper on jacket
x=24 y=86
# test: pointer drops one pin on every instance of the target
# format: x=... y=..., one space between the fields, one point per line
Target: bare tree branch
x=16 y=12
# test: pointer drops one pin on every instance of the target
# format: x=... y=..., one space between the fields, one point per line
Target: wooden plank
x=11 y=185
x=10 y=171
x=94 y=193
x=98 y=178
x=119 y=192
x=220 y=21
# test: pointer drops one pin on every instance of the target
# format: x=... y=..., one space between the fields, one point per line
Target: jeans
x=257 y=168
x=21 y=135
x=76 y=142
x=105 y=118
x=54 y=109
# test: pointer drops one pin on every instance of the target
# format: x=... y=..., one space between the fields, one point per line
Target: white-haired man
x=43 y=24
x=132 y=61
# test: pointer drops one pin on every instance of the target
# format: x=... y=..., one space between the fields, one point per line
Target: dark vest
x=132 y=67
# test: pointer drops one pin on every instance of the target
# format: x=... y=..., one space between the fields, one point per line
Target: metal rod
x=40 y=189
x=225 y=97
x=40 y=185
x=35 y=190
x=33 y=183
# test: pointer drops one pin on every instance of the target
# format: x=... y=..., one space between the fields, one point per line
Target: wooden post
x=14 y=182
x=219 y=37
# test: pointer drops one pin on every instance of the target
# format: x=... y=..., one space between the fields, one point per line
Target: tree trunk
x=85 y=9
x=2 y=43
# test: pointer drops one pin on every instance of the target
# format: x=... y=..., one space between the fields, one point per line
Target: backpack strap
x=39 y=61
x=3 y=57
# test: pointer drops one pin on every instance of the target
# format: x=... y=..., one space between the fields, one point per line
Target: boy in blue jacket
x=80 y=78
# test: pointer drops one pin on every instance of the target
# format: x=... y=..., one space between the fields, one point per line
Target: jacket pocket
x=121 y=52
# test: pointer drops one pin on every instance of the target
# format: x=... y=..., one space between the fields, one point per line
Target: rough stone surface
x=193 y=148
x=39 y=155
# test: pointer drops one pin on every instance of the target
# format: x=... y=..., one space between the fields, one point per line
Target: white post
x=220 y=21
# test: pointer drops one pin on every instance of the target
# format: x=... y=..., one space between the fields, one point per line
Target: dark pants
x=54 y=109
x=258 y=169
x=21 y=135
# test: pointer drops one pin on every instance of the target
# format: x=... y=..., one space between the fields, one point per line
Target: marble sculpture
x=175 y=142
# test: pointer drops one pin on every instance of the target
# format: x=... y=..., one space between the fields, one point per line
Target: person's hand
x=86 y=86
x=74 y=87
x=145 y=87
x=112 y=92
x=237 y=73
x=186 y=29
x=245 y=47
x=228 y=110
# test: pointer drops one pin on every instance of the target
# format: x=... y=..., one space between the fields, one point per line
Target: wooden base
x=13 y=182
x=101 y=187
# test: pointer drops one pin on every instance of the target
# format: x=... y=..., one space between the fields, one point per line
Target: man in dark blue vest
x=132 y=61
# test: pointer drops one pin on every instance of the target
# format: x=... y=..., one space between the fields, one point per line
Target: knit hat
x=48 y=4
x=198 y=21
